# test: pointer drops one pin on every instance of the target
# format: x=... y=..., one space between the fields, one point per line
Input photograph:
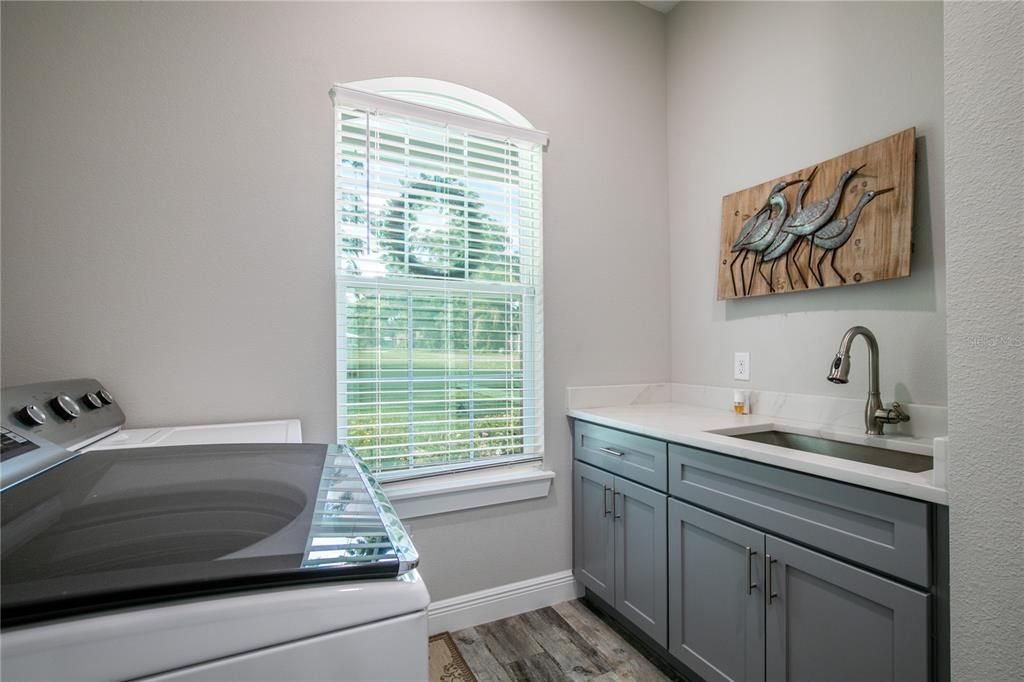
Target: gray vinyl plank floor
x=567 y=641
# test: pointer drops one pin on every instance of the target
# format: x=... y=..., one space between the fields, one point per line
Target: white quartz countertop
x=691 y=425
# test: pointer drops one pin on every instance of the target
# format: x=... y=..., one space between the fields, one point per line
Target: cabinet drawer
x=875 y=529
x=639 y=459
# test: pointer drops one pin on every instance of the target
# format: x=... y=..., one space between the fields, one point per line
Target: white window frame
x=521 y=477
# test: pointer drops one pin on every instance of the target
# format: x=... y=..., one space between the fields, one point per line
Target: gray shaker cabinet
x=641 y=558
x=619 y=546
x=827 y=620
x=593 y=538
x=716 y=594
x=883 y=532
x=744 y=605
x=708 y=576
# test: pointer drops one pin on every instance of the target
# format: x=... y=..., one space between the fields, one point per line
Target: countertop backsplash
x=926 y=421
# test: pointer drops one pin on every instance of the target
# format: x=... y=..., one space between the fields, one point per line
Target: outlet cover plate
x=741 y=366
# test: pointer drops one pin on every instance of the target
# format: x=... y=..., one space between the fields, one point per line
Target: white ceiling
x=664 y=7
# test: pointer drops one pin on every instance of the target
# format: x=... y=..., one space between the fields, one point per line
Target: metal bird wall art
x=834 y=215
x=843 y=221
x=756 y=222
x=774 y=232
x=815 y=216
x=764 y=227
x=785 y=241
x=835 y=234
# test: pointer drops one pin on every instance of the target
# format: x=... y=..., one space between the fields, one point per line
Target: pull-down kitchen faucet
x=876 y=415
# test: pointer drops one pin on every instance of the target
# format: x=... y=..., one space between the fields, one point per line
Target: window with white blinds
x=439 y=306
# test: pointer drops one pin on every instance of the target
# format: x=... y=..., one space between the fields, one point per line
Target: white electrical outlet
x=741 y=366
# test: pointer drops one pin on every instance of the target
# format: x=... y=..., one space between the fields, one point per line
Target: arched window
x=438 y=259
x=445 y=96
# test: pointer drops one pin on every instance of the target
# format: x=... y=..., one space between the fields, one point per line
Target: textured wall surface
x=167 y=214
x=984 y=82
x=760 y=89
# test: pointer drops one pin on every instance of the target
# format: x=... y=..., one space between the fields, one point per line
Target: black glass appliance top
x=113 y=528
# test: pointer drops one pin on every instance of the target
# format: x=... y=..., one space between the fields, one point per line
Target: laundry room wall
x=984 y=79
x=167 y=213
x=757 y=90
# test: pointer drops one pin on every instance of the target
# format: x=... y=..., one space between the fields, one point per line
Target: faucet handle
x=892 y=414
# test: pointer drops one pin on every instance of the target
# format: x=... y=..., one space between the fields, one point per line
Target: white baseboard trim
x=503 y=601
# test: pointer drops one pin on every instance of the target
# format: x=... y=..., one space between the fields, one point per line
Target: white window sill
x=468 y=490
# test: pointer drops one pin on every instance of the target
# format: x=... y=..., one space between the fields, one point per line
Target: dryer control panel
x=70 y=413
x=47 y=423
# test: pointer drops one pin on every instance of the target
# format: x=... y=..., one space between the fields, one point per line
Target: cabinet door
x=593 y=538
x=641 y=587
x=827 y=620
x=716 y=594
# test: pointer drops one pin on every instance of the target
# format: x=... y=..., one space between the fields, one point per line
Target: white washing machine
x=277 y=431
x=215 y=552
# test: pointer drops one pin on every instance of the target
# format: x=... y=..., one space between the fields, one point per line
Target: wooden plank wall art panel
x=845 y=221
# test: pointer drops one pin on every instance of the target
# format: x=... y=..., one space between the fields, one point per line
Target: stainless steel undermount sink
x=855 y=452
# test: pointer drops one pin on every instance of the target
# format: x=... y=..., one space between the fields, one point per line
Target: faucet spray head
x=839 y=372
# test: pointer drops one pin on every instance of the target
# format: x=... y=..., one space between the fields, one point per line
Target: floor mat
x=446 y=663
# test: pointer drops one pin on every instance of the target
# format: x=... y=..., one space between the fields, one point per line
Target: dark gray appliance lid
x=115 y=528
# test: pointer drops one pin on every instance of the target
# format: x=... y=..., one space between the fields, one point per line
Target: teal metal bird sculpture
x=807 y=221
x=757 y=221
x=765 y=234
x=784 y=242
x=836 y=233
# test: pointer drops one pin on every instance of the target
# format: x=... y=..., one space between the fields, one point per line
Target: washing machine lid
x=115 y=528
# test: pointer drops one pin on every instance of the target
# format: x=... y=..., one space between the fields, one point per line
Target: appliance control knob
x=66 y=408
x=32 y=415
x=104 y=396
x=92 y=401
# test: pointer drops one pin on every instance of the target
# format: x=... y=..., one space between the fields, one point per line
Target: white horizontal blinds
x=438 y=258
x=445 y=204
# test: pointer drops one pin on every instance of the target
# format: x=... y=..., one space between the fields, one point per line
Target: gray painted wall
x=757 y=90
x=167 y=214
x=984 y=62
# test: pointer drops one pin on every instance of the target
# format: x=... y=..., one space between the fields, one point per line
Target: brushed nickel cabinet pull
x=610 y=451
x=606 y=491
x=751 y=585
x=615 y=514
x=769 y=562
